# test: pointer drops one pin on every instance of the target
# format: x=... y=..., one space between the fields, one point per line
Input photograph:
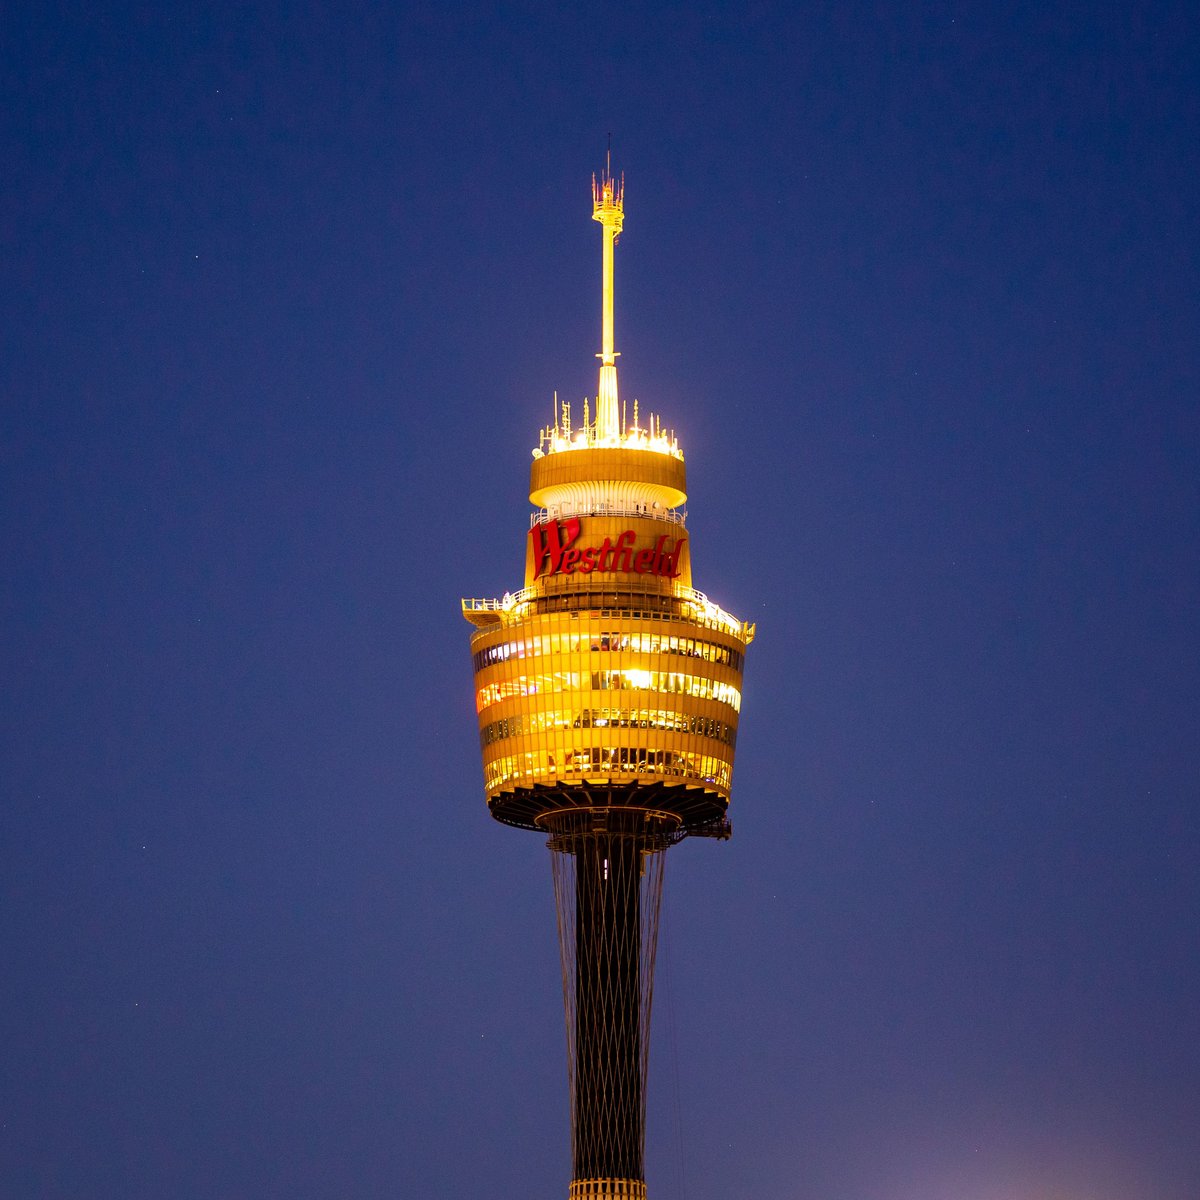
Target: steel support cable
x=608 y=875
x=673 y=1050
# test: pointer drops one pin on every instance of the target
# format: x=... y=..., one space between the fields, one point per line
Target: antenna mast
x=608 y=207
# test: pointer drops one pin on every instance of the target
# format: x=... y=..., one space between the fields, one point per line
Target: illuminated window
x=609 y=718
x=524 y=769
x=636 y=680
x=643 y=643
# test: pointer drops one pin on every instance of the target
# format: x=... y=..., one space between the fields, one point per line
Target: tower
x=608 y=691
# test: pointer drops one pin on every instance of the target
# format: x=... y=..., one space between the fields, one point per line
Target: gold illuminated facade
x=609 y=693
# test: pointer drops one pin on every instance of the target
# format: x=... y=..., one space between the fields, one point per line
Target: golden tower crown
x=607 y=665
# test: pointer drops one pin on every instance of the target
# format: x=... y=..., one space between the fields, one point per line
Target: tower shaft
x=608 y=874
x=608 y=1086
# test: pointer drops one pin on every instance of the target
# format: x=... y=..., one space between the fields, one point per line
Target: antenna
x=608 y=207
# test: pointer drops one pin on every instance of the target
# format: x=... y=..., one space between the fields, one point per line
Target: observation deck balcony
x=559 y=512
x=512 y=607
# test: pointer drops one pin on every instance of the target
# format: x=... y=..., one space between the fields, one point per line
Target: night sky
x=287 y=290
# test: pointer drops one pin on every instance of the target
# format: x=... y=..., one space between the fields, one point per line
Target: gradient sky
x=287 y=290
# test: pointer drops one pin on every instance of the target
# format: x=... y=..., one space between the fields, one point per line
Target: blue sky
x=287 y=292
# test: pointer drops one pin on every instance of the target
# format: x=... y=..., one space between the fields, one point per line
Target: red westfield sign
x=555 y=552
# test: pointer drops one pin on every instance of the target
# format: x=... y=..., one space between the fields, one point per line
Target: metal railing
x=677 y=516
x=704 y=610
x=485 y=604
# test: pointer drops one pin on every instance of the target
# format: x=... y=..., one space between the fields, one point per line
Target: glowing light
x=609 y=429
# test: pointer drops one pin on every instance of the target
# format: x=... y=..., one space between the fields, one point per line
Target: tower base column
x=607 y=1189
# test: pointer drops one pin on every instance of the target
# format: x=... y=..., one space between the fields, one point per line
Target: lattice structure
x=608 y=877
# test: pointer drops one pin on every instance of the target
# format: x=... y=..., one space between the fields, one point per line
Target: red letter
x=624 y=552
x=549 y=541
x=671 y=565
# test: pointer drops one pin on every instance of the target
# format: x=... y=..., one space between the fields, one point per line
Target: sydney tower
x=608 y=691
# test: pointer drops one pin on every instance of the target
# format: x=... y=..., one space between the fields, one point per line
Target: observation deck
x=674 y=515
x=513 y=607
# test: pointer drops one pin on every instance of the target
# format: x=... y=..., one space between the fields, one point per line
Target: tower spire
x=608 y=207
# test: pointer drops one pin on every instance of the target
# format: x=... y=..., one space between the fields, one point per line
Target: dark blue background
x=286 y=292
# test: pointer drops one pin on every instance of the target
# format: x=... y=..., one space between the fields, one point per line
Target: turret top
x=608 y=199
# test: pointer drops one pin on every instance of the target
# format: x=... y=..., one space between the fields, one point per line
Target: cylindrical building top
x=609 y=474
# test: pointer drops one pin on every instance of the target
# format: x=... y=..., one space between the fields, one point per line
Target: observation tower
x=608 y=691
